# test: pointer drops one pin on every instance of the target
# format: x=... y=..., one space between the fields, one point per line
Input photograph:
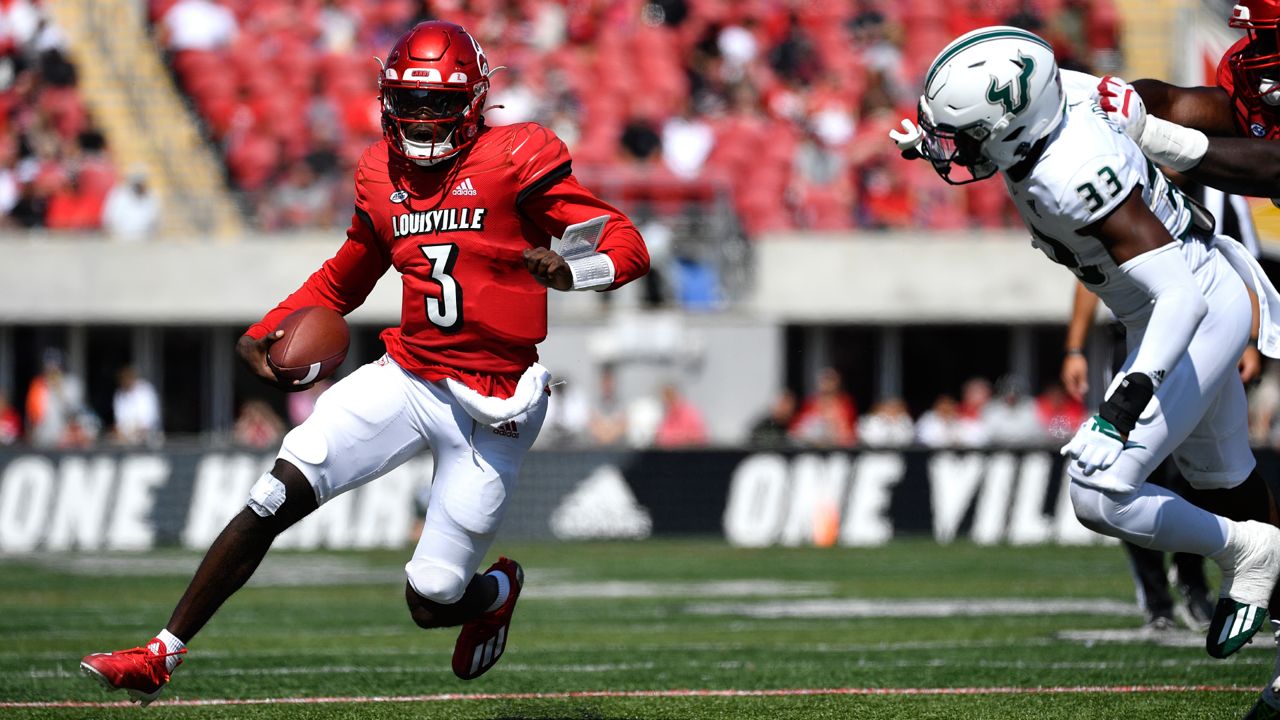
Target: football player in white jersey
x=995 y=102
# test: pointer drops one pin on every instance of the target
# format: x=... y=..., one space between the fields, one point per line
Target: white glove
x=1096 y=446
x=1123 y=105
x=908 y=139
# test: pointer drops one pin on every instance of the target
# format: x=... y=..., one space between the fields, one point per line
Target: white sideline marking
x=1177 y=638
x=916 y=608
x=693 y=693
x=642 y=589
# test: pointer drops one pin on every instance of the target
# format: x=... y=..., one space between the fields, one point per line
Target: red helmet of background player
x=1257 y=66
x=432 y=88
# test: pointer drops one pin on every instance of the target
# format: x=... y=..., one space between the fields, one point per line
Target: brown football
x=314 y=344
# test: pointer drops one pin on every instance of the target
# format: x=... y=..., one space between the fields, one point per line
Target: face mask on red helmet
x=433 y=88
x=1257 y=66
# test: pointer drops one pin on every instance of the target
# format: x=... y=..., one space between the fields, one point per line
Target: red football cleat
x=482 y=640
x=139 y=671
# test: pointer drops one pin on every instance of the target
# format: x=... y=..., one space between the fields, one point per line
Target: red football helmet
x=1257 y=66
x=432 y=88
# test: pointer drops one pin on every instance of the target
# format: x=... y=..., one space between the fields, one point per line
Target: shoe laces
x=149 y=656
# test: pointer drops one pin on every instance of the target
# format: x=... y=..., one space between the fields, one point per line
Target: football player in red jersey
x=1215 y=135
x=465 y=212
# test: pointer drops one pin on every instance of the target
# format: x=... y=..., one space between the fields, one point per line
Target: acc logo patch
x=399 y=196
x=1258 y=130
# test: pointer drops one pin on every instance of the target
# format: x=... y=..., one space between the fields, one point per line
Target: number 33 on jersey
x=1078 y=180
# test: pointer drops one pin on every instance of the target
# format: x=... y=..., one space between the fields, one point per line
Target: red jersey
x=457 y=233
x=1254 y=118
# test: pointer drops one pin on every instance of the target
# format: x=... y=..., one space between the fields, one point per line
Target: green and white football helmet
x=988 y=97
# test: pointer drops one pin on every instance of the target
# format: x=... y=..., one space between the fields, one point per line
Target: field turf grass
x=604 y=630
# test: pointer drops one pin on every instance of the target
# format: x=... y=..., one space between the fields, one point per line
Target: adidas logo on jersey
x=465 y=188
x=507 y=429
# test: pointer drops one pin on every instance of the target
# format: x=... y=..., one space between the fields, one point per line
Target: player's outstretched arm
x=1207 y=109
x=1237 y=165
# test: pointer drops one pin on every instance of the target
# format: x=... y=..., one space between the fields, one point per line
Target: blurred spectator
x=975 y=395
x=513 y=101
x=681 y=424
x=794 y=58
x=54 y=400
x=132 y=210
x=686 y=142
x=10 y=423
x=943 y=426
x=770 y=431
x=608 y=423
x=1012 y=419
x=828 y=417
x=72 y=207
x=136 y=408
x=887 y=425
x=738 y=48
x=640 y=140
x=301 y=404
x=80 y=432
x=299 y=199
x=1060 y=414
x=198 y=25
x=258 y=425
x=337 y=29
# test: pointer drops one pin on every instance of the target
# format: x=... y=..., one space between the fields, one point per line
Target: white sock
x=171 y=644
x=504 y=590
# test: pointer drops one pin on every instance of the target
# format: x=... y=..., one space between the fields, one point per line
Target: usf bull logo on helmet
x=988 y=98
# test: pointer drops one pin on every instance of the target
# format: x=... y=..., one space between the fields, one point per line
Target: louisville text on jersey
x=430 y=222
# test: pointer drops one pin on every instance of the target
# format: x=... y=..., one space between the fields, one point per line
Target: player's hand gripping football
x=1123 y=105
x=253 y=353
x=547 y=267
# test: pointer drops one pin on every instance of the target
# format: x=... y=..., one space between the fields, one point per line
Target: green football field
x=660 y=629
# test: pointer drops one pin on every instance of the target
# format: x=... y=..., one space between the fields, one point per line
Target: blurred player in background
x=994 y=101
x=465 y=213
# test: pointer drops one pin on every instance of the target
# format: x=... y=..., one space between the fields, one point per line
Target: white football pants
x=380 y=416
x=1199 y=415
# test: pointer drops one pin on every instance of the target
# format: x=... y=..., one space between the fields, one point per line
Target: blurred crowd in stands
x=780 y=107
x=54 y=413
x=55 y=170
x=983 y=416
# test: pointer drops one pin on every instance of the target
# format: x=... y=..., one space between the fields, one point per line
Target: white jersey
x=1087 y=168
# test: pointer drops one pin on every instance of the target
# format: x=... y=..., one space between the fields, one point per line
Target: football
x=314 y=344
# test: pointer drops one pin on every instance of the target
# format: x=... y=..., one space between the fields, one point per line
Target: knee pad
x=1095 y=509
x=267 y=495
x=436 y=583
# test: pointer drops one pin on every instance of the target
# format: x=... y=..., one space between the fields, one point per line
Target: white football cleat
x=1250 y=565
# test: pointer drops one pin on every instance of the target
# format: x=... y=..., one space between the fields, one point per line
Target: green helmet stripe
x=993 y=34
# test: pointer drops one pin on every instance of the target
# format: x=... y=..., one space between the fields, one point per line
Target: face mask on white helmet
x=989 y=97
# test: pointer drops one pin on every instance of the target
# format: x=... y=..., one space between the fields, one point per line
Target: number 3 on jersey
x=444 y=312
